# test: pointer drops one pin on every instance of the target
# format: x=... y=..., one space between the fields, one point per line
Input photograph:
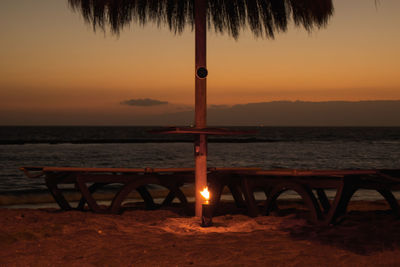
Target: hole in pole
x=202 y=72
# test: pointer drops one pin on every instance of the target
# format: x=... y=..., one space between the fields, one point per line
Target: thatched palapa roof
x=262 y=17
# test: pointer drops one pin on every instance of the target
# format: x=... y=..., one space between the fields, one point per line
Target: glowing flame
x=205 y=193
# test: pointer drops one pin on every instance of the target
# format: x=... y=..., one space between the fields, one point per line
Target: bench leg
x=237 y=195
x=323 y=199
x=92 y=203
x=148 y=199
x=389 y=197
x=168 y=199
x=304 y=191
x=251 y=204
x=51 y=183
x=124 y=192
x=340 y=203
x=93 y=188
x=267 y=192
x=174 y=191
x=215 y=188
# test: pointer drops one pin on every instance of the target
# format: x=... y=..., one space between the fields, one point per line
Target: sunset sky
x=55 y=70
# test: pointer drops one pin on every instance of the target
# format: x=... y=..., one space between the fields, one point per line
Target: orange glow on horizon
x=61 y=66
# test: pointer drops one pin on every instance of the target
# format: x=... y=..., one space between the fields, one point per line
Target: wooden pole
x=200 y=144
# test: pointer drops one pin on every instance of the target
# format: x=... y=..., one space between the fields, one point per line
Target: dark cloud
x=143 y=102
x=305 y=113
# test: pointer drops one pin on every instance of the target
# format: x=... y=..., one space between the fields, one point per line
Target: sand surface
x=368 y=236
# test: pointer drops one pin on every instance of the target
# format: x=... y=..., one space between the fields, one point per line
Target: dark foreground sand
x=167 y=237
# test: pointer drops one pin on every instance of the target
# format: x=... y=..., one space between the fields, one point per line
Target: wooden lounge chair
x=305 y=182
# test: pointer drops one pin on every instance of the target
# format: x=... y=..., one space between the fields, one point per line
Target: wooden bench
x=311 y=186
x=89 y=180
x=242 y=182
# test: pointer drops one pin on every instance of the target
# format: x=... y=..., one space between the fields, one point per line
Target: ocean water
x=271 y=147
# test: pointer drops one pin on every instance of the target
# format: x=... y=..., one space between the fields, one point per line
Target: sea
x=138 y=147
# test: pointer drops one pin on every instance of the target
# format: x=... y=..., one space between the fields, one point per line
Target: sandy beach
x=368 y=236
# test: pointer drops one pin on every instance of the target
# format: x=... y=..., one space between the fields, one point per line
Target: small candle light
x=207 y=209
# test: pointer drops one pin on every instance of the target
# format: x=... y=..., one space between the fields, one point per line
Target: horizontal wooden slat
x=294 y=172
x=79 y=169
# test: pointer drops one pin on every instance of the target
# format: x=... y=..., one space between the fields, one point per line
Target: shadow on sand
x=365 y=230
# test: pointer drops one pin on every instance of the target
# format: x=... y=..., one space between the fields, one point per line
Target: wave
x=133 y=141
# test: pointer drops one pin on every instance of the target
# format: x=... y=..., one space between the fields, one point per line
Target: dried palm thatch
x=263 y=17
